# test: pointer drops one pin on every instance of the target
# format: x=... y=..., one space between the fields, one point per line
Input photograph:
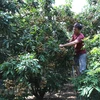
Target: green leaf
x=86 y=91
x=97 y=88
x=90 y=91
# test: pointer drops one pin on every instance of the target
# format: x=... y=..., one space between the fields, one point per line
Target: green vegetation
x=31 y=62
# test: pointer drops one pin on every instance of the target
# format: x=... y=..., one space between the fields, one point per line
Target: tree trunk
x=39 y=94
x=39 y=98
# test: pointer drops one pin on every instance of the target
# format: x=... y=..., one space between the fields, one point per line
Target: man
x=80 y=53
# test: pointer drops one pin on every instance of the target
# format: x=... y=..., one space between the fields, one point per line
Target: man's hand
x=61 y=46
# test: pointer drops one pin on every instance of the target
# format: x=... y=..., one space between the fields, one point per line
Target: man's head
x=77 y=27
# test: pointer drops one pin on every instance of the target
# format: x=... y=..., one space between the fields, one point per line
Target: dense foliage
x=33 y=29
x=88 y=84
x=30 y=58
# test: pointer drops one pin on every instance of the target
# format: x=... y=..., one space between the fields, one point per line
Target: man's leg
x=76 y=60
x=82 y=63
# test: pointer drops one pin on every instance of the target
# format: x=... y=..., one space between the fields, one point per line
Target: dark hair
x=78 y=25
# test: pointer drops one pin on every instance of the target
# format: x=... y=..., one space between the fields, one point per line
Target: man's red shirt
x=79 y=46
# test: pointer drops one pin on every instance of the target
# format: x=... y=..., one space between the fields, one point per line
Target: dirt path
x=66 y=93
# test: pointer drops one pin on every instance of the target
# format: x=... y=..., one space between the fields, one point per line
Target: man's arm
x=69 y=44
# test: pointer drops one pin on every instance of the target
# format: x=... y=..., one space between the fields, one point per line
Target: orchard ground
x=66 y=93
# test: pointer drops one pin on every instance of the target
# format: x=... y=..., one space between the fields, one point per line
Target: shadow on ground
x=66 y=93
